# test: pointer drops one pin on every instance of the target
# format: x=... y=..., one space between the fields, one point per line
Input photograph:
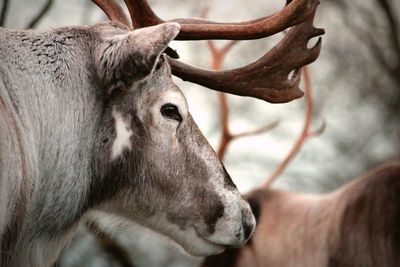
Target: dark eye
x=171 y=111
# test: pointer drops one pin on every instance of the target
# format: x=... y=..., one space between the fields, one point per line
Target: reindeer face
x=152 y=163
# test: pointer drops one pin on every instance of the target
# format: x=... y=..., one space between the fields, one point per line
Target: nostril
x=247 y=229
x=247 y=225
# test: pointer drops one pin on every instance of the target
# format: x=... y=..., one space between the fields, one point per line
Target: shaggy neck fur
x=51 y=151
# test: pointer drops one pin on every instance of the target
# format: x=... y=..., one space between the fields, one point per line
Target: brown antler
x=200 y=29
x=267 y=78
x=113 y=11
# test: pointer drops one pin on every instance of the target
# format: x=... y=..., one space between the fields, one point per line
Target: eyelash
x=171 y=111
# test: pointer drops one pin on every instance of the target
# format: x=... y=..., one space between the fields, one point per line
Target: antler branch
x=200 y=29
x=266 y=79
x=113 y=11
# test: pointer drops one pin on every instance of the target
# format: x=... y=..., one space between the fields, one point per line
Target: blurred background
x=356 y=95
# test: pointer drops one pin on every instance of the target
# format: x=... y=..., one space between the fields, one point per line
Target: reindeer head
x=150 y=150
x=155 y=164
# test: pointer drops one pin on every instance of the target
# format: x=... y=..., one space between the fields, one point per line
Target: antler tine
x=113 y=11
x=199 y=29
x=268 y=77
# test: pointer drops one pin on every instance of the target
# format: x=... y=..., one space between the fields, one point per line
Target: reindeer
x=90 y=121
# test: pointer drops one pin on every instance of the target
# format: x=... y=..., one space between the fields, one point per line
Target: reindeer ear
x=122 y=59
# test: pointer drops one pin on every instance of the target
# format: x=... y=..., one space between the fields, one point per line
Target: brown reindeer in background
x=355 y=225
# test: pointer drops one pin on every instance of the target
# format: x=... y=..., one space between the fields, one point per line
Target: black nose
x=247 y=225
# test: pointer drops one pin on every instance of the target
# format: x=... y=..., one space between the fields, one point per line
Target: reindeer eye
x=171 y=111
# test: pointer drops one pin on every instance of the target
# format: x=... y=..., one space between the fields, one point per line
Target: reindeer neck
x=40 y=73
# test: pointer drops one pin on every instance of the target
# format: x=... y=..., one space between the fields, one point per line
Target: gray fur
x=59 y=93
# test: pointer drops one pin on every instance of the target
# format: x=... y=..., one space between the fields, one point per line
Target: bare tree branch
x=393 y=25
x=40 y=15
x=3 y=13
x=384 y=12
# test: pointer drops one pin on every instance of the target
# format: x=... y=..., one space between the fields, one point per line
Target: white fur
x=122 y=140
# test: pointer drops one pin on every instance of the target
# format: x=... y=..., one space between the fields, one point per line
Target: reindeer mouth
x=218 y=248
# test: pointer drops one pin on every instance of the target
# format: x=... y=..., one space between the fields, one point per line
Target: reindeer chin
x=206 y=248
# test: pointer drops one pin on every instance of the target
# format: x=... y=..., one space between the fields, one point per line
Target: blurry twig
x=305 y=134
x=108 y=244
x=40 y=15
x=33 y=23
x=3 y=13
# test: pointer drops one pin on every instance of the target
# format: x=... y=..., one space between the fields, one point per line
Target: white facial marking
x=122 y=141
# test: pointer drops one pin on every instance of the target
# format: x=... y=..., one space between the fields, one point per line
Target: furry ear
x=122 y=59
